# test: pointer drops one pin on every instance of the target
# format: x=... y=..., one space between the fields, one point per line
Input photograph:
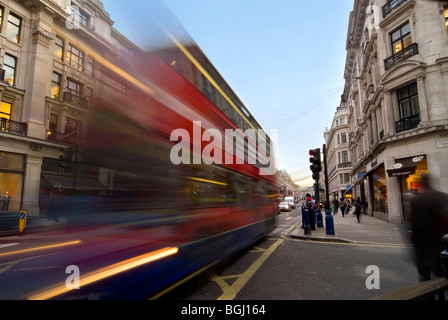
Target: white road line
x=7 y=245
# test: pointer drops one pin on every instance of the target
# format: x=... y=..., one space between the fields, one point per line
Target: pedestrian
x=347 y=206
x=6 y=200
x=333 y=208
x=429 y=223
x=312 y=212
x=336 y=205
x=359 y=207
x=343 y=204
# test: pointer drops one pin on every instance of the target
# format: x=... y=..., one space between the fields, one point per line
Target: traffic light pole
x=329 y=222
x=75 y=175
x=327 y=192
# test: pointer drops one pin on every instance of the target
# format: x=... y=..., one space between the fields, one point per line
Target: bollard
x=320 y=219
x=306 y=221
x=444 y=255
x=22 y=220
x=329 y=223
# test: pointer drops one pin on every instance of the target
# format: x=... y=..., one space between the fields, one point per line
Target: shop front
x=409 y=173
x=11 y=181
x=376 y=192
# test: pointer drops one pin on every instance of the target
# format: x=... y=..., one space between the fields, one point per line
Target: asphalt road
x=283 y=268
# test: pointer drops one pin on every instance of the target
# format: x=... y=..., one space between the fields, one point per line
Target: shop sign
x=442 y=142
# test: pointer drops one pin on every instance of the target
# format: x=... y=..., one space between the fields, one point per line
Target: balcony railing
x=70 y=138
x=390 y=6
x=404 y=54
x=344 y=165
x=14 y=127
x=408 y=123
x=75 y=99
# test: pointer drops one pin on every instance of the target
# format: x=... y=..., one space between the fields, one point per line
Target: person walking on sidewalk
x=342 y=202
x=429 y=223
x=347 y=207
x=359 y=206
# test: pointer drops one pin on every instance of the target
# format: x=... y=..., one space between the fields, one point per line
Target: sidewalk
x=9 y=224
x=371 y=230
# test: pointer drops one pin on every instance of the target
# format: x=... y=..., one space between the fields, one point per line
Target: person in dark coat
x=6 y=199
x=312 y=212
x=359 y=206
x=429 y=223
x=342 y=204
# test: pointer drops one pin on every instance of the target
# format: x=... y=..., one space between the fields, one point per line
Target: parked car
x=284 y=206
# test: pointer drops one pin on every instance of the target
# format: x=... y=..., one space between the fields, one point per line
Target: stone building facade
x=338 y=154
x=49 y=53
x=396 y=95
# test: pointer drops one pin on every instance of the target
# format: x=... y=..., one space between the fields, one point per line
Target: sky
x=285 y=60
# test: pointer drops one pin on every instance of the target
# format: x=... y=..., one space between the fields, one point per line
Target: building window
x=59 y=49
x=88 y=96
x=74 y=92
x=79 y=15
x=53 y=124
x=5 y=110
x=1 y=16
x=409 y=108
x=344 y=157
x=89 y=66
x=9 y=65
x=73 y=126
x=446 y=19
x=401 y=38
x=402 y=46
x=13 y=28
x=55 y=85
x=75 y=57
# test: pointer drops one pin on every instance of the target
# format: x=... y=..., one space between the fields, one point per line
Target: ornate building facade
x=48 y=53
x=396 y=95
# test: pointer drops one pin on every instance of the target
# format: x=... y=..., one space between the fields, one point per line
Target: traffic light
x=316 y=164
x=66 y=157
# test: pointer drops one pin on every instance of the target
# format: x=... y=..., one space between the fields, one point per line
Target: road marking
x=230 y=291
x=177 y=284
x=48 y=247
x=7 y=245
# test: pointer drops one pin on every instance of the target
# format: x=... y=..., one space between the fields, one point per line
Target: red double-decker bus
x=149 y=222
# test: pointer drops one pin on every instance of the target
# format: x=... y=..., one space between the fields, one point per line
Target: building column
x=369 y=134
x=39 y=75
x=394 y=200
x=33 y=169
x=374 y=126
x=388 y=115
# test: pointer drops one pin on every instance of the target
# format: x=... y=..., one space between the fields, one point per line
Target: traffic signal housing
x=66 y=157
x=316 y=163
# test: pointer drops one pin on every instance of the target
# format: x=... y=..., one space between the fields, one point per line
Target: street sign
x=22 y=221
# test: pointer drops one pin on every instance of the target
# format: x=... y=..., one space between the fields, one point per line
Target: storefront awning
x=405 y=167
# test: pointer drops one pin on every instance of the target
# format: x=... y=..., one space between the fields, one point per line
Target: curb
x=294 y=234
x=320 y=239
